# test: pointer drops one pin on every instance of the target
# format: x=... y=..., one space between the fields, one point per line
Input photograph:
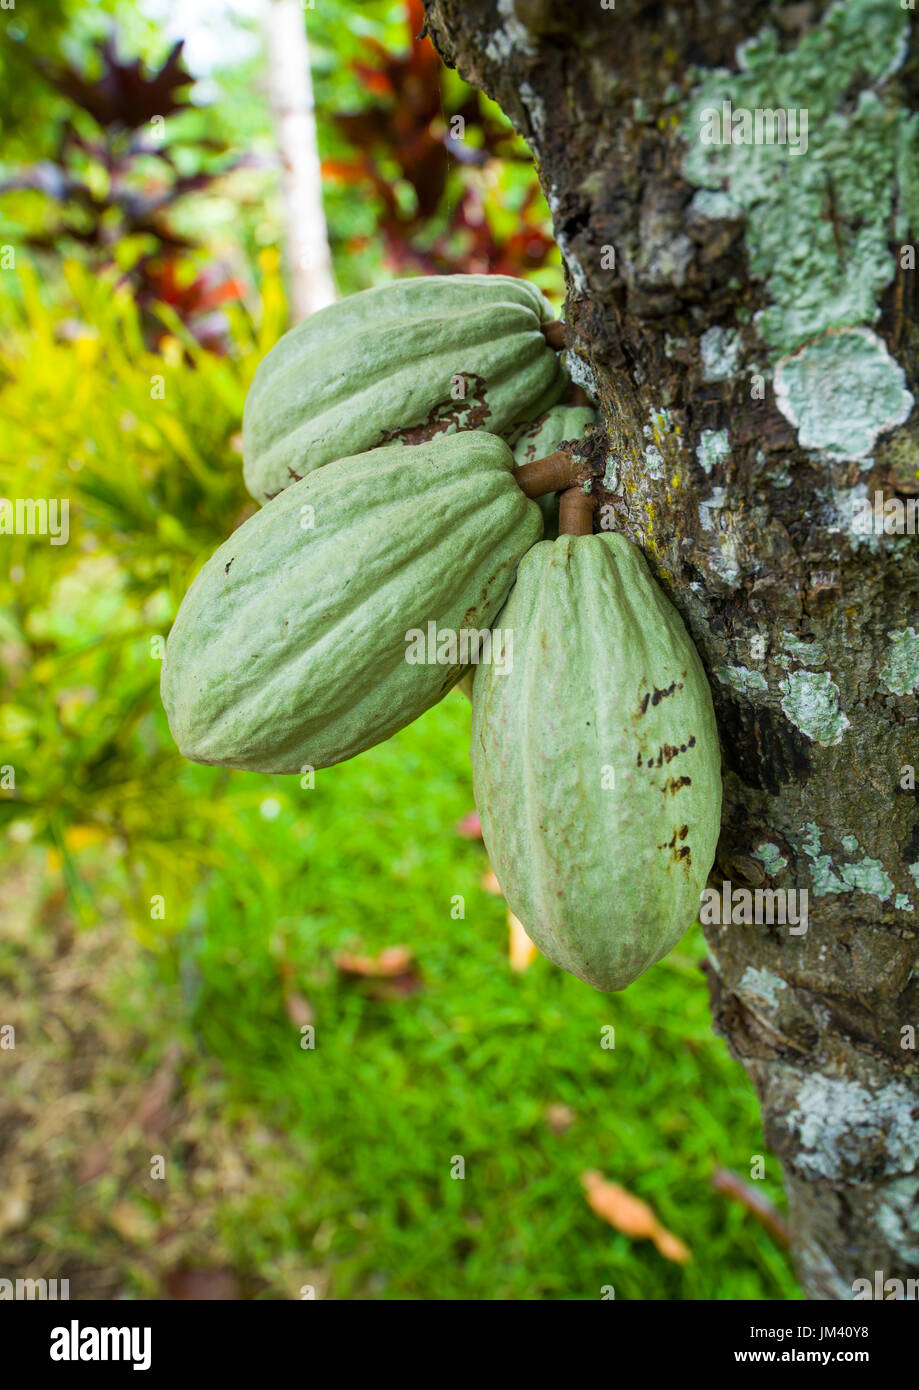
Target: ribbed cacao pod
x=400 y=363
x=600 y=804
x=289 y=649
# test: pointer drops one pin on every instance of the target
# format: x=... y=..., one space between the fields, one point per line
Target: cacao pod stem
x=554 y=334
x=554 y=473
x=576 y=513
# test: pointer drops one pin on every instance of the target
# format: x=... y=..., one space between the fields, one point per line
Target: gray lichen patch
x=658 y=433
x=664 y=255
x=725 y=558
x=823 y=207
x=868 y=875
x=654 y=463
x=510 y=36
x=741 y=678
x=824 y=879
x=713 y=446
x=865 y=874
x=848 y=503
x=713 y=205
x=811 y=703
x=576 y=270
x=720 y=349
x=900 y=667
x=710 y=505
x=762 y=985
x=841 y=392
x=898 y=1219
x=836 y=1121
x=536 y=110
x=582 y=374
x=804 y=653
x=771 y=858
x=723 y=550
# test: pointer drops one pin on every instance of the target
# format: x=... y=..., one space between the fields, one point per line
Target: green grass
x=394 y=1089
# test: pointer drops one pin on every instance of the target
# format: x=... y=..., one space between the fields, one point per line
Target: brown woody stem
x=554 y=473
x=554 y=334
x=576 y=513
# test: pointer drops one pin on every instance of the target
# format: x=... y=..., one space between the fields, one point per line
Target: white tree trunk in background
x=291 y=92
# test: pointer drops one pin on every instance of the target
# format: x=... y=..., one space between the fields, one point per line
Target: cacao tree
x=735 y=190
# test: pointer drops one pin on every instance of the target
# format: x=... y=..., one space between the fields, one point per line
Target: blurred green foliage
x=26 y=114
x=142 y=447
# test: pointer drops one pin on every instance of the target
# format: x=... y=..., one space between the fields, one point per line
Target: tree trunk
x=746 y=316
x=291 y=92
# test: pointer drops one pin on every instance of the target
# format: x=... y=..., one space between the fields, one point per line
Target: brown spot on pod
x=662 y=694
x=673 y=784
x=468 y=412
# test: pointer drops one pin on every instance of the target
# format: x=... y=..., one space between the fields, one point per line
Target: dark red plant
x=410 y=123
x=110 y=126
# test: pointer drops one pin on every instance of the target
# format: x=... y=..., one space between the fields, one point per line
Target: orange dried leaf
x=299 y=1010
x=671 y=1247
x=392 y=960
x=630 y=1215
x=520 y=949
x=491 y=884
x=559 y=1117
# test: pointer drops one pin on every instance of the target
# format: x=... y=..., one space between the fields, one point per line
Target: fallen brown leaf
x=630 y=1215
x=210 y=1284
x=766 y=1213
x=560 y=1117
x=392 y=960
x=388 y=976
x=299 y=1010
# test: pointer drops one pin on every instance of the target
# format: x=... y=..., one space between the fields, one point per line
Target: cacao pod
x=541 y=437
x=600 y=808
x=384 y=366
x=289 y=649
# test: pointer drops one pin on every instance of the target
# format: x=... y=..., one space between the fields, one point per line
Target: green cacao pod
x=384 y=366
x=541 y=437
x=600 y=808
x=290 y=648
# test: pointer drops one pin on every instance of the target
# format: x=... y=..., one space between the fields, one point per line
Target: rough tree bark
x=746 y=316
